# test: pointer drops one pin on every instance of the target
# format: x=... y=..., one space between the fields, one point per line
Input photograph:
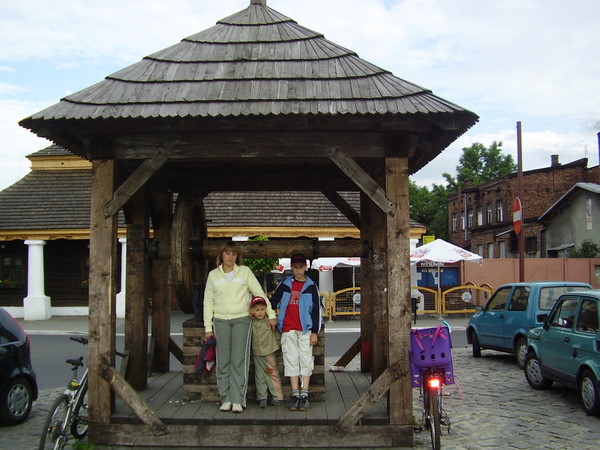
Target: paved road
x=491 y=406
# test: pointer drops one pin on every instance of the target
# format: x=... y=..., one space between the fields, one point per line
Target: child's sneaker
x=275 y=402
x=303 y=404
x=237 y=408
x=295 y=403
x=225 y=406
x=262 y=403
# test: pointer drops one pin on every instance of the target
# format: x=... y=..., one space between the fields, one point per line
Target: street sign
x=517 y=215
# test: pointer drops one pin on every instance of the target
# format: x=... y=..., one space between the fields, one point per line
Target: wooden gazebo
x=256 y=102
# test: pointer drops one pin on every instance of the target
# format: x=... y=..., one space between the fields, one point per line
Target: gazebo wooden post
x=162 y=217
x=379 y=296
x=398 y=269
x=366 y=289
x=136 y=291
x=102 y=289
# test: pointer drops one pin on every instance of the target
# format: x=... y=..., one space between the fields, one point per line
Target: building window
x=454 y=222
x=11 y=272
x=490 y=250
x=480 y=249
x=531 y=244
x=499 y=215
x=489 y=213
x=479 y=216
x=470 y=218
x=502 y=249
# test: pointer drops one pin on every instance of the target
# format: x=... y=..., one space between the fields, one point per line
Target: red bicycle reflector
x=434 y=382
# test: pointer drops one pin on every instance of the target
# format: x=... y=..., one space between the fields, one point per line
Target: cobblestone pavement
x=491 y=406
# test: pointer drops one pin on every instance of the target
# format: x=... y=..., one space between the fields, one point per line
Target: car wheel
x=589 y=393
x=521 y=351
x=533 y=373
x=476 y=347
x=15 y=401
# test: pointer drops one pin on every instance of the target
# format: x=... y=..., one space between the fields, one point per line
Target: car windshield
x=549 y=295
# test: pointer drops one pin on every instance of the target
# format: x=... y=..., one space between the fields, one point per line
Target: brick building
x=487 y=209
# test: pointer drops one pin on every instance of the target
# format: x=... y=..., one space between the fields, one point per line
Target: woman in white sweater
x=229 y=289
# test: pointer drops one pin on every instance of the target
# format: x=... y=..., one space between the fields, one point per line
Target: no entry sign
x=517 y=215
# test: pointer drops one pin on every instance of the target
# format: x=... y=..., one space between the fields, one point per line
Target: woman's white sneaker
x=225 y=406
x=237 y=408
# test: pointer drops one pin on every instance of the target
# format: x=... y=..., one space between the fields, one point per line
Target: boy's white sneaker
x=237 y=408
x=225 y=406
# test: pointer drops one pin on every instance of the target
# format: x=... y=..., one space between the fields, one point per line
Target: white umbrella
x=441 y=252
x=325 y=264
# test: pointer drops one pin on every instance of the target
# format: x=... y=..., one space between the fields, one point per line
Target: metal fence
x=456 y=300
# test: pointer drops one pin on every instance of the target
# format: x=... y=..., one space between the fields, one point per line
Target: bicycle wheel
x=79 y=427
x=433 y=409
x=55 y=435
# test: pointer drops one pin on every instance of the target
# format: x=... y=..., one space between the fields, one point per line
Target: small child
x=299 y=321
x=264 y=346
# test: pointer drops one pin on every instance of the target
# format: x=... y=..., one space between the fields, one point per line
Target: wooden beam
x=366 y=289
x=136 y=291
x=134 y=400
x=349 y=355
x=162 y=217
x=362 y=179
x=176 y=350
x=398 y=292
x=393 y=373
x=311 y=248
x=102 y=289
x=136 y=180
x=338 y=201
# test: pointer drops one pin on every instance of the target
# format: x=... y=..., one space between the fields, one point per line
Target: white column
x=120 y=306
x=36 y=306
x=413 y=277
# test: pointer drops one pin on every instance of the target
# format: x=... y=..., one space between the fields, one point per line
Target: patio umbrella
x=440 y=252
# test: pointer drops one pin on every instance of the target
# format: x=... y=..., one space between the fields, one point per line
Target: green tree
x=481 y=165
x=478 y=164
x=430 y=208
x=588 y=249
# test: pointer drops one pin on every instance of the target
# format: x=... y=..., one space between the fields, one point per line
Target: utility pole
x=520 y=191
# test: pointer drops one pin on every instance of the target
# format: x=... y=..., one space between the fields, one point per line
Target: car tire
x=590 y=397
x=476 y=347
x=521 y=351
x=16 y=401
x=533 y=373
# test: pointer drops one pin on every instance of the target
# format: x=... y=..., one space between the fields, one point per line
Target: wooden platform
x=200 y=423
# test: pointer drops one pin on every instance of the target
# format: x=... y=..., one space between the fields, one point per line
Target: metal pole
x=520 y=190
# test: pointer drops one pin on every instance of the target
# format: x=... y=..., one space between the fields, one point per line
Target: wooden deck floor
x=165 y=392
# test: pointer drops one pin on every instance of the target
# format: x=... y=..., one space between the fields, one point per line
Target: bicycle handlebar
x=84 y=341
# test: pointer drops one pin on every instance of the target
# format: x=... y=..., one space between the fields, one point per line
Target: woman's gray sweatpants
x=233 y=358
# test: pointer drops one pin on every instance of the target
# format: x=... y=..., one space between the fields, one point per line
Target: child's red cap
x=256 y=300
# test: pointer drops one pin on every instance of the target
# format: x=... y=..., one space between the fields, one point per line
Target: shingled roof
x=254 y=62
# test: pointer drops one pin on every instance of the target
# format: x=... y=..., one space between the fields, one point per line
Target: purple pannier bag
x=430 y=347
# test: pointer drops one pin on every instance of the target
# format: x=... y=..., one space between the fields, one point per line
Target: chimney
x=554 y=159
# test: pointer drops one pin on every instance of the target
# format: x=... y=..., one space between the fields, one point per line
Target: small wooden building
x=256 y=102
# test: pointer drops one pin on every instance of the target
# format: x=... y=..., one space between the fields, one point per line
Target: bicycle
x=431 y=369
x=68 y=415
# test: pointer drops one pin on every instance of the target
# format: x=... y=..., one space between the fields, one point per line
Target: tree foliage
x=481 y=165
x=587 y=249
x=262 y=265
x=478 y=164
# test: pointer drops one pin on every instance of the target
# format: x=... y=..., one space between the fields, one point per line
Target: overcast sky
x=534 y=61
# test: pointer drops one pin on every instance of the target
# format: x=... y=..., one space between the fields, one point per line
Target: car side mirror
x=478 y=308
x=543 y=318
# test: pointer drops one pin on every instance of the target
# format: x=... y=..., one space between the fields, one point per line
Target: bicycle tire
x=54 y=436
x=79 y=427
x=433 y=409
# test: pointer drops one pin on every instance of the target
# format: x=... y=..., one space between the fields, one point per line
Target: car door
x=516 y=315
x=491 y=322
x=557 y=345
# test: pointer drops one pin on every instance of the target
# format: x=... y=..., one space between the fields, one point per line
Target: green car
x=566 y=349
